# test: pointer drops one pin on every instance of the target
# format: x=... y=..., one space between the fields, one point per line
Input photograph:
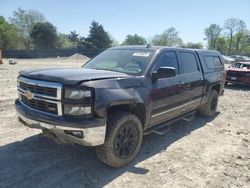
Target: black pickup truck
x=120 y=95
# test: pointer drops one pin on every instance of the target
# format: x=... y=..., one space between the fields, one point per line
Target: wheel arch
x=216 y=87
x=137 y=109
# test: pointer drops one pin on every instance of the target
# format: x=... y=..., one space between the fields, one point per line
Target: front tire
x=123 y=139
x=210 y=107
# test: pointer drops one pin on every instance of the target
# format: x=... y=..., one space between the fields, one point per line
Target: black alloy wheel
x=126 y=141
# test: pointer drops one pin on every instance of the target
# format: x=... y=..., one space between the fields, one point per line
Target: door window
x=213 y=62
x=188 y=63
x=167 y=59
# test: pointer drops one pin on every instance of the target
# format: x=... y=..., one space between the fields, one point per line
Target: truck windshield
x=129 y=61
x=241 y=65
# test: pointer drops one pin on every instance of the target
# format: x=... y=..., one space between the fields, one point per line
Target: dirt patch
x=79 y=57
x=205 y=152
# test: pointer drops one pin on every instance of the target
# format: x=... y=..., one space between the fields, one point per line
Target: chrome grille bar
x=36 y=96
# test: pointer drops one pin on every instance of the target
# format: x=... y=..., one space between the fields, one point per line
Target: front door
x=165 y=92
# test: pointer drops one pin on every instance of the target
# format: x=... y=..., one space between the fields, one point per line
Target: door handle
x=180 y=84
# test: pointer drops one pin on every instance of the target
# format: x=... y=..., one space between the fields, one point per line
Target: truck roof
x=156 y=48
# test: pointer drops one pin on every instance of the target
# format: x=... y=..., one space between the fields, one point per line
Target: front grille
x=40 y=95
x=39 y=89
x=236 y=74
x=40 y=105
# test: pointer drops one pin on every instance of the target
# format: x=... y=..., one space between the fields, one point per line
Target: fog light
x=77 y=134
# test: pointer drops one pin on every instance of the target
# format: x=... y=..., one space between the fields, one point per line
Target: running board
x=164 y=127
x=161 y=131
x=189 y=117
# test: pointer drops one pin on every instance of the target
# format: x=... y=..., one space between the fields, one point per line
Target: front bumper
x=239 y=80
x=93 y=130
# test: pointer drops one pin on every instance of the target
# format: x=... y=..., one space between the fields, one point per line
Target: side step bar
x=189 y=117
x=164 y=127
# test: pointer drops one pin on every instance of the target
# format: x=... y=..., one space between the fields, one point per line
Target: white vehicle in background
x=228 y=60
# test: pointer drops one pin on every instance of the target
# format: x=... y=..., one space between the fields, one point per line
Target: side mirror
x=164 y=72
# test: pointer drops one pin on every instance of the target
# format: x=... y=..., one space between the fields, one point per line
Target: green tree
x=63 y=41
x=81 y=42
x=212 y=34
x=114 y=41
x=74 y=37
x=193 y=45
x=244 y=45
x=134 y=40
x=246 y=51
x=24 y=20
x=239 y=39
x=98 y=37
x=168 y=38
x=44 y=36
x=8 y=35
x=233 y=26
x=222 y=44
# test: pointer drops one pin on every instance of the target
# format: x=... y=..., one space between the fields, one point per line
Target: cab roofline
x=157 y=48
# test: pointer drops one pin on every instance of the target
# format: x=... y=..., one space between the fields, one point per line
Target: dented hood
x=69 y=76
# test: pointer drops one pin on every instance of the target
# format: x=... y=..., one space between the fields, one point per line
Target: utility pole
x=1 y=62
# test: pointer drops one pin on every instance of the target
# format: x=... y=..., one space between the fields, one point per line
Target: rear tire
x=210 y=107
x=123 y=140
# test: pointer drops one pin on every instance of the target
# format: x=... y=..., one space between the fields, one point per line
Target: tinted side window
x=167 y=59
x=217 y=62
x=213 y=62
x=188 y=63
x=209 y=62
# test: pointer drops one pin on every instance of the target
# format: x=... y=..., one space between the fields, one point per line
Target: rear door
x=191 y=80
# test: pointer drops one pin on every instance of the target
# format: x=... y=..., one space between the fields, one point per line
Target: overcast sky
x=143 y=17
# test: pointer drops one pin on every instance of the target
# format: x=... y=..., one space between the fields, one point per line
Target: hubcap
x=126 y=141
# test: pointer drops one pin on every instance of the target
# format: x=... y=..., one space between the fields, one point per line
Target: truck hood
x=69 y=76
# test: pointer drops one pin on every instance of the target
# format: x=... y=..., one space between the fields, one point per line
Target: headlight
x=76 y=94
x=76 y=110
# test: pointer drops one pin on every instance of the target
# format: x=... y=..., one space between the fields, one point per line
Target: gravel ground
x=202 y=153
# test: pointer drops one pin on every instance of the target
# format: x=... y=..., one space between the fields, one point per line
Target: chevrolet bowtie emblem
x=28 y=95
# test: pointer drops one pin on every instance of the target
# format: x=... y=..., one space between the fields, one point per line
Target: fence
x=50 y=53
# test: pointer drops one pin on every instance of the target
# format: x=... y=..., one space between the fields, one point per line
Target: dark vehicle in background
x=240 y=58
x=121 y=95
x=238 y=73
